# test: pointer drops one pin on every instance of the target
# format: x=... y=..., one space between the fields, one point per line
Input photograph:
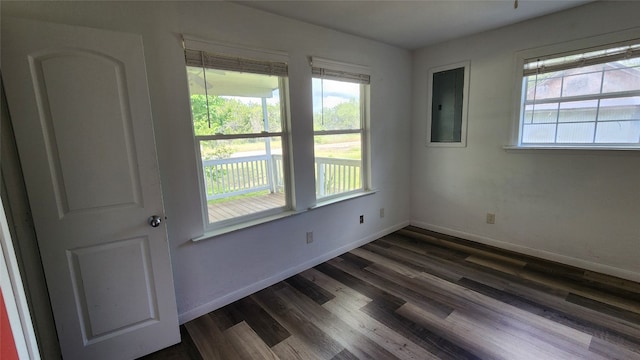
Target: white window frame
x=552 y=51
x=225 y=49
x=465 y=104
x=341 y=71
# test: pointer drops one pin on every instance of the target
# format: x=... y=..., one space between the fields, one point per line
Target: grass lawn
x=236 y=197
x=333 y=146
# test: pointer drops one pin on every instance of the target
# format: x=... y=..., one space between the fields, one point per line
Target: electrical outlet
x=381 y=212
x=491 y=218
x=309 y=237
x=361 y=219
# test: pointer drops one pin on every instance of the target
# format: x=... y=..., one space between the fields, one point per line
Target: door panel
x=87 y=128
x=79 y=103
x=97 y=276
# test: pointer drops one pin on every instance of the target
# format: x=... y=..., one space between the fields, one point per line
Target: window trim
x=556 y=50
x=248 y=219
x=260 y=55
x=325 y=69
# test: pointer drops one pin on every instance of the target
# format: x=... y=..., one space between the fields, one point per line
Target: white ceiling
x=412 y=24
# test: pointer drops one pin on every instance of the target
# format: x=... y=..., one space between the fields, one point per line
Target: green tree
x=221 y=115
x=210 y=124
x=345 y=115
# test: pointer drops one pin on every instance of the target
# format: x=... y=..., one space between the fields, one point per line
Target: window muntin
x=240 y=129
x=339 y=134
x=590 y=99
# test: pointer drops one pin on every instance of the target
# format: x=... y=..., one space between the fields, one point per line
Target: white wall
x=577 y=207
x=211 y=273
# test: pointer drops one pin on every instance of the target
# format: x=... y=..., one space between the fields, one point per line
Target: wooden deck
x=245 y=206
x=415 y=294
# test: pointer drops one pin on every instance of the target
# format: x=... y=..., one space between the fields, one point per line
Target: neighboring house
x=588 y=80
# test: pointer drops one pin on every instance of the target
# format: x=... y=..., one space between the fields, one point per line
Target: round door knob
x=154 y=221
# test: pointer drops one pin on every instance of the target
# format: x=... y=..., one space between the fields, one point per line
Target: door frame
x=13 y=293
x=18 y=216
x=15 y=299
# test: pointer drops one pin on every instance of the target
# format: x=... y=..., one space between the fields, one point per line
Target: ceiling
x=412 y=24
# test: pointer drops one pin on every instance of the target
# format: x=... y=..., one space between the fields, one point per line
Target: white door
x=79 y=103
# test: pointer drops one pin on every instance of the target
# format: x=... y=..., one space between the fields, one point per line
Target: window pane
x=528 y=114
x=338 y=163
x=336 y=105
x=544 y=86
x=583 y=84
x=620 y=132
x=539 y=133
x=578 y=111
x=627 y=108
x=242 y=176
x=229 y=102
x=621 y=80
x=573 y=133
x=592 y=104
x=531 y=87
x=585 y=69
x=630 y=62
x=543 y=113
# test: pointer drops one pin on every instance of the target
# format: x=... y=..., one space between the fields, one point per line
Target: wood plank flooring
x=415 y=294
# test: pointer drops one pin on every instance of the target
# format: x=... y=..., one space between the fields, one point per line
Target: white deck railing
x=335 y=176
x=242 y=175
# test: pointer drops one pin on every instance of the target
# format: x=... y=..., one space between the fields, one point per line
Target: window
x=447 y=117
x=340 y=113
x=585 y=99
x=240 y=127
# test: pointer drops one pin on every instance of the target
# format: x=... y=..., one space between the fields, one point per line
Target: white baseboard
x=547 y=255
x=257 y=286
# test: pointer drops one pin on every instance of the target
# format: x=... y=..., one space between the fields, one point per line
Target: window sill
x=244 y=225
x=576 y=149
x=346 y=197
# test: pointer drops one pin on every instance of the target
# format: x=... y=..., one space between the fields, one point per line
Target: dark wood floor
x=420 y=295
